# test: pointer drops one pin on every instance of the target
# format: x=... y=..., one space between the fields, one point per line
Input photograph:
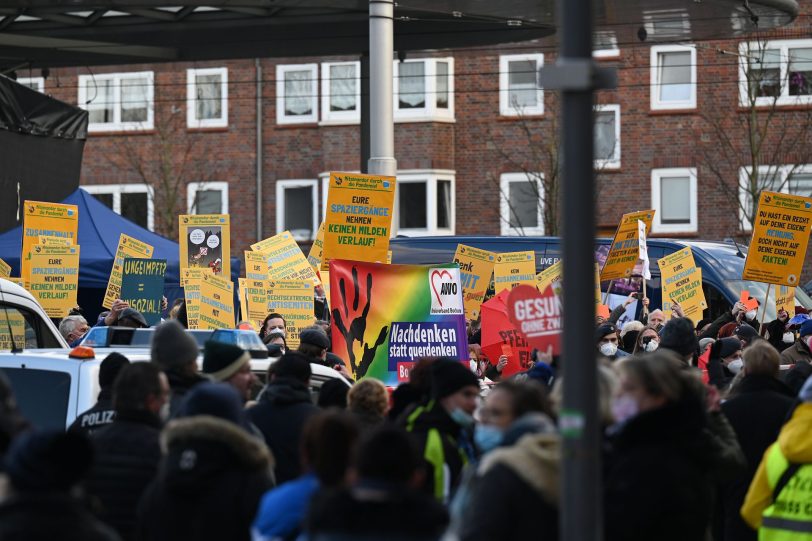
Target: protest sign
x=514 y=268
x=284 y=259
x=254 y=300
x=205 y=242
x=380 y=331
x=142 y=286
x=50 y=219
x=191 y=279
x=597 y=286
x=5 y=269
x=550 y=275
x=316 y=254
x=294 y=300
x=682 y=283
x=127 y=247
x=54 y=278
x=216 y=303
x=47 y=240
x=325 y=284
x=500 y=336
x=12 y=320
x=358 y=222
x=256 y=266
x=537 y=316
x=625 y=250
x=785 y=300
x=476 y=268
x=780 y=238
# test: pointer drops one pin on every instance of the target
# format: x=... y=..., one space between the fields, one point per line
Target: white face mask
x=735 y=366
x=788 y=338
x=751 y=314
x=608 y=349
x=624 y=407
x=164 y=412
x=651 y=346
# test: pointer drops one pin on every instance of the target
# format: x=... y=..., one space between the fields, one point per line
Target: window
x=673 y=196
x=519 y=93
x=604 y=44
x=297 y=208
x=118 y=101
x=341 y=92
x=41 y=395
x=673 y=77
x=791 y=179
x=775 y=73
x=34 y=83
x=207 y=98
x=424 y=89
x=297 y=93
x=133 y=201
x=520 y=204
x=607 y=136
x=207 y=197
x=424 y=202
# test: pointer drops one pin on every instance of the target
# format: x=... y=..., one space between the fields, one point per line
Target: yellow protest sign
x=127 y=247
x=191 y=279
x=256 y=266
x=549 y=275
x=325 y=284
x=5 y=269
x=284 y=259
x=47 y=240
x=49 y=219
x=785 y=300
x=358 y=222
x=54 y=278
x=682 y=283
x=514 y=268
x=254 y=300
x=316 y=253
x=11 y=319
x=205 y=242
x=216 y=303
x=476 y=267
x=780 y=237
x=294 y=300
x=625 y=249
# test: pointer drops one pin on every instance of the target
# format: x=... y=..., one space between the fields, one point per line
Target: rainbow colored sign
x=380 y=332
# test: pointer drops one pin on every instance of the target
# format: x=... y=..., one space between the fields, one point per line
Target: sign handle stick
x=764 y=310
x=608 y=290
x=645 y=308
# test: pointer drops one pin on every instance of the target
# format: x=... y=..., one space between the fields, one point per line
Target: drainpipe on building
x=258 y=69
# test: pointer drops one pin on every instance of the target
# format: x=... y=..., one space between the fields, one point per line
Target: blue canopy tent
x=99 y=230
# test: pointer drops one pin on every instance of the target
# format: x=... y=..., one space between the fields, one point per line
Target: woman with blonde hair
x=368 y=402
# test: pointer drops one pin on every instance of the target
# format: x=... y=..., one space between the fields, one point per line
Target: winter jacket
x=280 y=415
x=516 y=494
x=757 y=411
x=713 y=329
x=46 y=517
x=445 y=447
x=797 y=352
x=126 y=457
x=796 y=446
x=209 y=483
x=374 y=511
x=99 y=416
x=179 y=386
x=282 y=510
x=775 y=334
x=657 y=483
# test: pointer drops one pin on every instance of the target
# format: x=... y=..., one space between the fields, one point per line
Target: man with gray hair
x=73 y=329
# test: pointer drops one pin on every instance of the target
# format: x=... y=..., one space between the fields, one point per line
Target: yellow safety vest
x=789 y=518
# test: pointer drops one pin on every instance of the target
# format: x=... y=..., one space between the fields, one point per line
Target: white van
x=24 y=325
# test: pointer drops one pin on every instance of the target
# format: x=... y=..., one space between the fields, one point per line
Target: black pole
x=365 y=152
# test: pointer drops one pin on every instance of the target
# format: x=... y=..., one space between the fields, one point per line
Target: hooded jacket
x=280 y=415
x=209 y=485
x=796 y=446
x=99 y=416
x=797 y=352
x=516 y=496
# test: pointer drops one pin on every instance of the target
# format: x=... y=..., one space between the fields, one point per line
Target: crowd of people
x=705 y=435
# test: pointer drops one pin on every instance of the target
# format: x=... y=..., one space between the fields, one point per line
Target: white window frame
x=612 y=52
x=281 y=186
x=38 y=82
x=191 y=98
x=429 y=113
x=505 y=179
x=193 y=187
x=656 y=103
x=656 y=181
x=281 y=117
x=86 y=91
x=329 y=117
x=505 y=108
x=614 y=161
x=783 y=46
x=117 y=189
x=781 y=174
x=430 y=177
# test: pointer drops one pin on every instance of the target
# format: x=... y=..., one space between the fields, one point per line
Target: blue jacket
x=282 y=510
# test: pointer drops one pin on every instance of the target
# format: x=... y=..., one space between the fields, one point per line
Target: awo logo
x=446 y=292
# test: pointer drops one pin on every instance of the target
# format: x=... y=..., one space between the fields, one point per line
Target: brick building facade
x=473 y=136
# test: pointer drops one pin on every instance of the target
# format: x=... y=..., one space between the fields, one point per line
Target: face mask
x=461 y=418
x=164 y=412
x=624 y=407
x=608 y=349
x=735 y=366
x=808 y=341
x=750 y=314
x=487 y=437
x=651 y=346
x=788 y=338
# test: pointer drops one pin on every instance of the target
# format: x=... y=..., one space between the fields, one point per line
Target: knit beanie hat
x=449 y=376
x=678 y=335
x=110 y=367
x=728 y=346
x=314 y=336
x=172 y=347
x=221 y=360
x=48 y=460
x=603 y=330
x=746 y=332
x=215 y=400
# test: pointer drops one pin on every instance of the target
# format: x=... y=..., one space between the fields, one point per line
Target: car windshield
x=758 y=290
x=41 y=395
